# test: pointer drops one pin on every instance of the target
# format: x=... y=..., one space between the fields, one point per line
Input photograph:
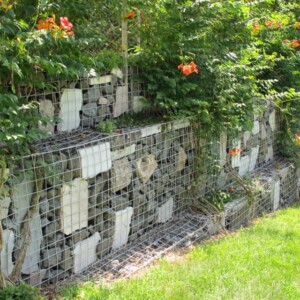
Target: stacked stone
x=86 y=102
x=98 y=196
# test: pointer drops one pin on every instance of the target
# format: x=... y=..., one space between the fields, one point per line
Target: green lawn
x=259 y=262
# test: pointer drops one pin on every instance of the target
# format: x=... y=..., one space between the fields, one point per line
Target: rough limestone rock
x=95 y=160
x=121 y=104
x=85 y=253
x=117 y=154
x=181 y=160
x=275 y=194
x=145 y=167
x=47 y=109
x=165 y=211
x=4 y=205
x=122 y=227
x=70 y=105
x=272 y=120
x=74 y=205
x=32 y=258
x=253 y=158
x=6 y=253
x=121 y=174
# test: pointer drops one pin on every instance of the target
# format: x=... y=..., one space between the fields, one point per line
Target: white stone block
x=4 y=205
x=117 y=72
x=263 y=132
x=275 y=194
x=47 y=109
x=150 y=130
x=106 y=79
x=253 y=158
x=181 y=124
x=95 y=160
x=103 y=101
x=272 y=120
x=270 y=154
x=165 y=211
x=137 y=104
x=32 y=258
x=123 y=152
x=70 y=105
x=223 y=147
x=74 y=205
x=247 y=135
x=6 y=253
x=85 y=253
x=235 y=160
x=122 y=227
x=244 y=165
x=21 y=198
x=121 y=104
x=256 y=128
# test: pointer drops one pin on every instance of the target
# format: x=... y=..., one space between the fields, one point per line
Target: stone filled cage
x=111 y=203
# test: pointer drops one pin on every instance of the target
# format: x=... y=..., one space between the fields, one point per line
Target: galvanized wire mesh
x=112 y=203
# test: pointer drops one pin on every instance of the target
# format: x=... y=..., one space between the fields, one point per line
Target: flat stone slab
x=32 y=258
x=47 y=109
x=70 y=105
x=244 y=165
x=21 y=198
x=235 y=160
x=253 y=158
x=85 y=253
x=181 y=124
x=151 y=130
x=106 y=79
x=122 y=227
x=165 y=211
x=275 y=194
x=121 y=174
x=123 y=152
x=256 y=128
x=95 y=160
x=272 y=120
x=6 y=253
x=4 y=205
x=74 y=205
x=121 y=104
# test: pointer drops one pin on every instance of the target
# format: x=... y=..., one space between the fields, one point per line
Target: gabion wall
x=96 y=193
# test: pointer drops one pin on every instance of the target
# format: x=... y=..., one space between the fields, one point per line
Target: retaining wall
x=100 y=192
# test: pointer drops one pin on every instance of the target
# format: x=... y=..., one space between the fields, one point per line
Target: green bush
x=20 y=292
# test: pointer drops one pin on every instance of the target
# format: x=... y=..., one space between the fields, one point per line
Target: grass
x=259 y=262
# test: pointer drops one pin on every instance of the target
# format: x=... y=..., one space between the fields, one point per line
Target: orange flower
x=268 y=23
x=297 y=139
x=295 y=44
x=130 y=15
x=188 y=69
x=235 y=151
x=256 y=27
x=279 y=24
x=297 y=25
x=286 y=41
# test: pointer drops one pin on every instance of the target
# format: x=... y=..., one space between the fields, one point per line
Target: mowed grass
x=259 y=262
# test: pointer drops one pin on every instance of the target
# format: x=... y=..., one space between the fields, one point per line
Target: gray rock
x=104 y=247
x=51 y=257
x=90 y=110
x=119 y=203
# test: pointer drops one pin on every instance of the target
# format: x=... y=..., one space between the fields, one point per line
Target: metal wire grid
x=97 y=196
x=68 y=105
